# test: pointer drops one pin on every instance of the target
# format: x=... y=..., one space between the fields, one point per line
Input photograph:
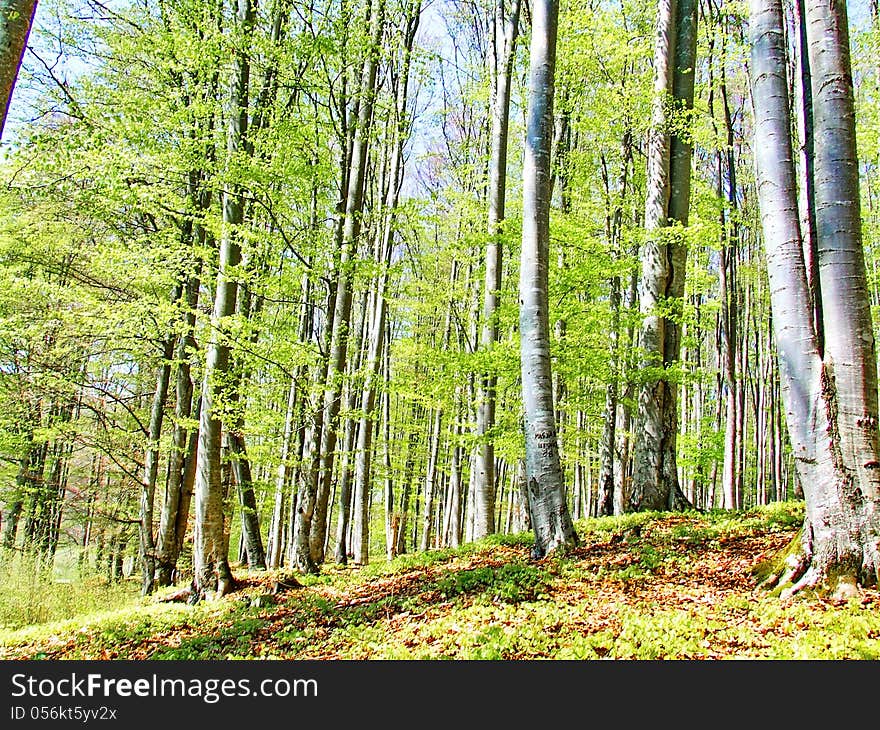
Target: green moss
x=771 y=570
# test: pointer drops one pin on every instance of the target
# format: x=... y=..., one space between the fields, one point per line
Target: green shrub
x=510 y=583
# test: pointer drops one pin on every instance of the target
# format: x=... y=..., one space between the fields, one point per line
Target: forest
x=302 y=288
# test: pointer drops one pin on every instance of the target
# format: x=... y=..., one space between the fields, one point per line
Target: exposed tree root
x=791 y=572
x=784 y=568
x=286 y=582
x=181 y=596
x=678 y=502
x=839 y=588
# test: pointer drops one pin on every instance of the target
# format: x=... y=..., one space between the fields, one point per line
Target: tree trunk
x=27 y=482
x=613 y=224
x=176 y=503
x=282 y=478
x=387 y=446
x=147 y=543
x=504 y=32
x=363 y=452
x=16 y=18
x=212 y=575
x=805 y=167
x=431 y=481
x=351 y=227
x=236 y=446
x=655 y=475
x=241 y=470
x=548 y=508
x=831 y=403
x=401 y=515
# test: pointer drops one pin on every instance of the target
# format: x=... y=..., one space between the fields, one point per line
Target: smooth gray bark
x=505 y=25
x=831 y=402
x=805 y=164
x=548 y=508
x=212 y=576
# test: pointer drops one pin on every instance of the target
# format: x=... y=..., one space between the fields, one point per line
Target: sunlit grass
x=640 y=587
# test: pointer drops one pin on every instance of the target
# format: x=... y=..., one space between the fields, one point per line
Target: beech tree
x=505 y=26
x=551 y=520
x=315 y=490
x=212 y=575
x=664 y=256
x=829 y=382
x=306 y=286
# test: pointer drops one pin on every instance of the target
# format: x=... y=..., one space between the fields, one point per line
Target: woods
x=289 y=285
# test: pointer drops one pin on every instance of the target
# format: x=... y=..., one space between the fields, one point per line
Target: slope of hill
x=643 y=586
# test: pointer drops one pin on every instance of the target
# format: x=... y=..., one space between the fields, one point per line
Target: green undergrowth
x=31 y=595
x=641 y=586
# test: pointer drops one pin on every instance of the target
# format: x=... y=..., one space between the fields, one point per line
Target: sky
x=50 y=13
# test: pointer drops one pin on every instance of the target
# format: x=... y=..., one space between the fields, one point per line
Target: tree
x=212 y=574
x=550 y=517
x=504 y=32
x=655 y=478
x=314 y=493
x=830 y=392
x=16 y=18
x=384 y=245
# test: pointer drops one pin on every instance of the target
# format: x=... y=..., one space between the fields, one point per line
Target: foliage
x=33 y=596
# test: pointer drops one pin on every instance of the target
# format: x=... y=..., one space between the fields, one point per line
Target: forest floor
x=644 y=586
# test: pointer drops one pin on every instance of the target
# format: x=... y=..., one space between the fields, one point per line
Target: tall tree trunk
x=431 y=481
x=237 y=447
x=387 y=447
x=401 y=515
x=345 y=479
x=831 y=402
x=363 y=453
x=180 y=473
x=729 y=288
x=613 y=225
x=805 y=167
x=147 y=545
x=655 y=475
x=212 y=575
x=27 y=480
x=504 y=32
x=314 y=512
x=175 y=506
x=622 y=429
x=282 y=479
x=548 y=507
x=241 y=470
x=452 y=523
